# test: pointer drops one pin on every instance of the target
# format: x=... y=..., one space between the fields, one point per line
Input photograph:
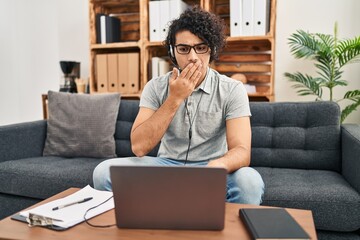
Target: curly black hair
x=205 y=25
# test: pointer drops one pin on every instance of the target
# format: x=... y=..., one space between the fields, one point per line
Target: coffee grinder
x=71 y=71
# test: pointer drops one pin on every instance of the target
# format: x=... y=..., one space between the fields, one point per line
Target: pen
x=73 y=203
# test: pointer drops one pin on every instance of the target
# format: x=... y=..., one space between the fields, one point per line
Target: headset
x=172 y=57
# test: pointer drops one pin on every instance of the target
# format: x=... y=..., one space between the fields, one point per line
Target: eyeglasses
x=184 y=49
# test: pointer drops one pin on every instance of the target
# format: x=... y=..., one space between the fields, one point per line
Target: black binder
x=271 y=223
x=112 y=28
x=113 y=33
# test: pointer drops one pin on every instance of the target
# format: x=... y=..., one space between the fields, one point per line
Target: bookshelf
x=252 y=56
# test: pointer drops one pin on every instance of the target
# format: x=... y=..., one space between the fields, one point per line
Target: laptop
x=169 y=197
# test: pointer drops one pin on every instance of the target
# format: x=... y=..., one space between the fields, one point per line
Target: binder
x=235 y=18
x=155 y=67
x=261 y=17
x=112 y=68
x=103 y=29
x=98 y=27
x=101 y=73
x=154 y=20
x=133 y=72
x=164 y=16
x=109 y=29
x=123 y=72
x=159 y=67
x=176 y=8
x=112 y=29
x=160 y=14
x=247 y=13
x=164 y=66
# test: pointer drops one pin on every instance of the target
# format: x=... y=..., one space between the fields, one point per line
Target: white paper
x=250 y=88
x=74 y=214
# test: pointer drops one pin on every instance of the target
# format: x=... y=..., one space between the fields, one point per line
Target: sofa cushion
x=81 y=125
x=334 y=203
x=42 y=177
x=296 y=135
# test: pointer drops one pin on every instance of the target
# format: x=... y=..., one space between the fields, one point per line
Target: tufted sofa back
x=126 y=117
x=304 y=135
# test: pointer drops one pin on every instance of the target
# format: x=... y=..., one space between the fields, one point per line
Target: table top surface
x=234 y=228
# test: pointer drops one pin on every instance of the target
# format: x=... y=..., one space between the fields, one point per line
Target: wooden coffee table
x=234 y=228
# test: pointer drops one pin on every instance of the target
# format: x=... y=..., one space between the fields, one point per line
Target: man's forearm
x=234 y=159
x=148 y=134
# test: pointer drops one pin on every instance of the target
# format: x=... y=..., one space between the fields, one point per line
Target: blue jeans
x=245 y=185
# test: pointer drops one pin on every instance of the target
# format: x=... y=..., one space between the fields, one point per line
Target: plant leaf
x=303 y=44
x=348 y=51
x=340 y=83
x=327 y=42
x=306 y=84
x=353 y=95
x=349 y=109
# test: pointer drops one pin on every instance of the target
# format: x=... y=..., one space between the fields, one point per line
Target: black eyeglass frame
x=191 y=47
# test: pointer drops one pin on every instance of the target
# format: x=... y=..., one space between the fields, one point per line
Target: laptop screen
x=169 y=197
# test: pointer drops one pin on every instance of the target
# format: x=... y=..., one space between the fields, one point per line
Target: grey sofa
x=306 y=158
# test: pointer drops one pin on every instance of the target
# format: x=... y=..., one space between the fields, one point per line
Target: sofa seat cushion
x=43 y=177
x=334 y=203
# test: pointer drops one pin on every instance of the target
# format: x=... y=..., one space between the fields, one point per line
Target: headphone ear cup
x=172 y=55
x=171 y=52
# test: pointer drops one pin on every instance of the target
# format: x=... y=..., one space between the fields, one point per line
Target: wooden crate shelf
x=252 y=56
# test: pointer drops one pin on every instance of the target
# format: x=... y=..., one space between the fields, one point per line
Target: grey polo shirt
x=216 y=100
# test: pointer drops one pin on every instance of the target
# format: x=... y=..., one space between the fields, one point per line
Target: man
x=200 y=116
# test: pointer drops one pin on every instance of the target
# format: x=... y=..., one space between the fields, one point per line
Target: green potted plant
x=330 y=55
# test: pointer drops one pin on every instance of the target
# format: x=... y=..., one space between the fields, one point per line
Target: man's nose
x=192 y=55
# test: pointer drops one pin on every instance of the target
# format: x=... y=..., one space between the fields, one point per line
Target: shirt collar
x=204 y=86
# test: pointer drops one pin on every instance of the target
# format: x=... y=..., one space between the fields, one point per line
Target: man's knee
x=100 y=175
x=249 y=177
x=250 y=183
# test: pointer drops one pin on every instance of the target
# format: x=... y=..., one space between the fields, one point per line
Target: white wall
x=37 y=34
x=314 y=16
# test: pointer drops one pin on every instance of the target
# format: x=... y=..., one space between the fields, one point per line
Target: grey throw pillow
x=81 y=125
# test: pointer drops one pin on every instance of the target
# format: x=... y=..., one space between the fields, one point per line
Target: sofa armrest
x=22 y=140
x=350 y=141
